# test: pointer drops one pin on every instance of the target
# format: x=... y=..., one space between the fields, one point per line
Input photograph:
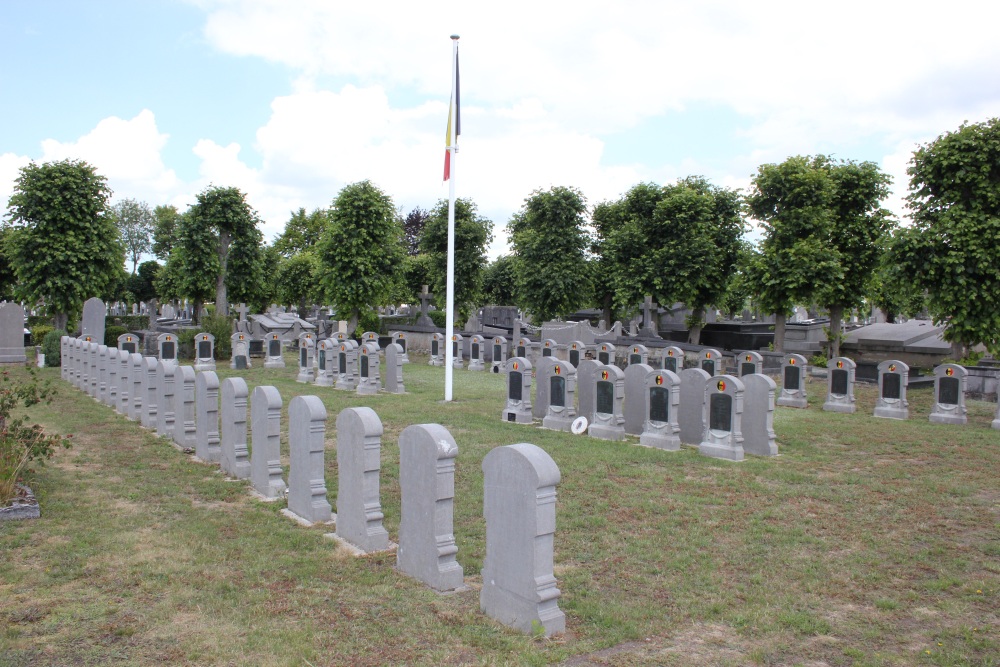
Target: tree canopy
x=473 y=234
x=302 y=232
x=136 y=223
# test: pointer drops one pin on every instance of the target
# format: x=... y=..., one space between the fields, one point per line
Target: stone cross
x=242 y=310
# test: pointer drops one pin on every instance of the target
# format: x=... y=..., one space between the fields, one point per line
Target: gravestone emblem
x=437 y=350
x=711 y=362
x=518 y=407
x=793 y=387
x=893 y=376
x=950 y=382
x=750 y=363
x=840 y=386
x=723 y=437
x=662 y=400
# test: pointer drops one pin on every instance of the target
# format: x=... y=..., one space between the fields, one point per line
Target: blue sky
x=290 y=101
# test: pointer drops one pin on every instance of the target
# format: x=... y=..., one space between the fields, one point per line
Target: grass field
x=867 y=542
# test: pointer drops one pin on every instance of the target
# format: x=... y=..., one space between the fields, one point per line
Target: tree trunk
x=606 y=313
x=836 y=315
x=60 y=320
x=890 y=317
x=958 y=350
x=779 y=332
x=196 y=315
x=697 y=321
x=352 y=323
x=221 y=300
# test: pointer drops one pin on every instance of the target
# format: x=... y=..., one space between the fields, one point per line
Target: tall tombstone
x=634 y=407
x=606 y=354
x=399 y=338
x=370 y=380
x=12 y=333
x=586 y=373
x=102 y=373
x=840 y=385
x=359 y=510
x=456 y=350
x=307 y=361
x=347 y=365
x=234 y=454
x=64 y=358
x=523 y=348
x=165 y=398
x=204 y=352
x=723 y=438
x=394 y=369
x=561 y=380
x=273 y=357
x=540 y=404
x=576 y=352
x=111 y=389
x=137 y=397
x=207 y=445
x=893 y=376
x=265 y=451
x=124 y=382
x=609 y=392
x=519 y=584
x=326 y=362
x=750 y=362
x=691 y=410
x=662 y=401
x=950 y=383
x=92 y=321
x=518 y=407
x=79 y=375
x=710 y=361
x=185 y=428
x=306 y=468
x=499 y=355
x=240 y=359
x=151 y=394
x=437 y=350
x=637 y=354
x=548 y=348
x=128 y=343
x=93 y=373
x=758 y=415
x=477 y=350
x=996 y=419
x=793 y=385
x=166 y=348
x=427 y=547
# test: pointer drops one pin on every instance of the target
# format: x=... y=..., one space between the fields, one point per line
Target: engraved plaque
x=605 y=397
x=546 y=351
x=948 y=390
x=204 y=349
x=364 y=365
x=574 y=358
x=514 y=380
x=838 y=382
x=720 y=412
x=497 y=353
x=670 y=364
x=129 y=347
x=256 y=348
x=791 y=378
x=402 y=343
x=659 y=404
x=241 y=362
x=169 y=350
x=274 y=348
x=747 y=368
x=475 y=350
x=342 y=363
x=891 y=384
x=520 y=350
x=557 y=391
x=454 y=349
x=303 y=357
x=708 y=366
x=434 y=349
x=322 y=360
x=604 y=358
x=634 y=359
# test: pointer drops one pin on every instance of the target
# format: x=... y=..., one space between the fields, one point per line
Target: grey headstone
x=306 y=477
x=347 y=365
x=102 y=373
x=758 y=415
x=606 y=354
x=723 y=407
x=273 y=357
x=427 y=488
x=477 y=353
x=710 y=361
x=560 y=377
x=749 y=362
x=326 y=363
x=111 y=390
x=204 y=352
x=672 y=359
x=498 y=353
x=437 y=350
x=92 y=321
x=240 y=359
x=128 y=343
x=662 y=402
x=394 y=360
x=637 y=354
x=307 y=361
x=235 y=457
x=519 y=584
x=370 y=381
x=207 y=439
x=165 y=398
x=793 y=385
x=840 y=386
x=609 y=392
x=399 y=338
x=585 y=374
x=518 y=405
x=996 y=419
x=166 y=345
x=456 y=350
x=265 y=452
x=691 y=411
x=636 y=395
x=891 y=403
x=137 y=400
x=185 y=428
x=359 y=511
x=151 y=394
x=540 y=404
x=12 y=333
x=124 y=382
x=950 y=381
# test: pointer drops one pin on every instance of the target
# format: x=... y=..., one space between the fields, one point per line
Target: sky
x=292 y=100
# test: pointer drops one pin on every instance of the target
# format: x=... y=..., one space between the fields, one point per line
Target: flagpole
x=450 y=278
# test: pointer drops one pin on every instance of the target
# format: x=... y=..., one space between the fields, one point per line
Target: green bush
x=222 y=329
x=39 y=332
x=111 y=334
x=51 y=347
x=37 y=321
x=369 y=321
x=438 y=317
x=818 y=360
x=130 y=322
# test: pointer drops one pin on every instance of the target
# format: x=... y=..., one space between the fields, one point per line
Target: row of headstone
x=341 y=363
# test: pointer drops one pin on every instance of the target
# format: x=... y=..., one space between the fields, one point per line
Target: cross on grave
x=242 y=310
x=647 y=316
x=425 y=301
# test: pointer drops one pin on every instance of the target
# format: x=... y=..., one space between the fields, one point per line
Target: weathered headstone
x=710 y=361
x=609 y=392
x=273 y=357
x=606 y=354
x=347 y=365
x=394 y=369
x=750 y=362
x=359 y=510
x=437 y=350
x=586 y=374
x=950 y=381
x=166 y=348
x=92 y=320
x=307 y=350
x=518 y=406
x=576 y=352
x=477 y=351
x=548 y=348
x=165 y=397
x=235 y=456
x=456 y=350
x=207 y=439
x=499 y=353
x=185 y=428
x=519 y=584
x=427 y=496
x=672 y=359
x=893 y=376
x=662 y=399
x=723 y=438
x=523 y=348
x=691 y=410
x=370 y=380
x=399 y=338
x=306 y=470
x=793 y=385
x=758 y=415
x=128 y=343
x=326 y=362
x=12 y=333
x=151 y=394
x=634 y=406
x=540 y=404
x=240 y=359
x=204 y=352
x=369 y=337
x=265 y=451
x=840 y=386
x=560 y=377
x=637 y=354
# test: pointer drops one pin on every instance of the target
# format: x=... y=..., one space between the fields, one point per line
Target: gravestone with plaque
x=128 y=343
x=241 y=351
x=399 y=338
x=523 y=348
x=561 y=380
x=477 y=349
x=606 y=354
x=518 y=406
x=710 y=361
x=609 y=392
x=723 y=407
x=576 y=352
x=273 y=357
x=456 y=351
x=637 y=354
x=750 y=362
x=307 y=361
x=662 y=400
x=893 y=377
x=326 y=363
x=370 y=380
x=437 y=350
x=540 y=404
x=347 y=365
x=793 y=385
x=548 y=348
x=166 y=346
x=840 y=385
x=585 y=374
x=950 y=381
x=499 y=355
x=672 y=359
x=394 y=369
x=204 y=352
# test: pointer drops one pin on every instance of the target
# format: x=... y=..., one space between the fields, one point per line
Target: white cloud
x=10 y=165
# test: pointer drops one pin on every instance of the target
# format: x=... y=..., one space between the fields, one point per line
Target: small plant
x=222 y=329
x=51 y=347
x=111 y=334
x=818 y=360
x=39 y=332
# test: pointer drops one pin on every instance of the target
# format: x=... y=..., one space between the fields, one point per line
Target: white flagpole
x=449 y=327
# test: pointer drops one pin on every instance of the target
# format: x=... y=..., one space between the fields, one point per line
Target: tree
x=953 y=251
x=499 y=281
x=8 y=279
x=302 y=232
x=361 y=251
x=894 y=290
x=63 y=247
x=141 y=283
x=550 y=245
x=296 y=280
x=473 y=233
x=193 y=264
x=165 y=225
x=246 y=270
x=413 y=228
x=136 y=223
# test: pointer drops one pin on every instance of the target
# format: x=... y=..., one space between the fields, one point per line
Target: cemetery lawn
x=868 y=542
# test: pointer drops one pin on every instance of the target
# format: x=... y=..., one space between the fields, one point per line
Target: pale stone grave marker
x=64 y=358
x=204 y=352
x=548 y=347
x=950 y=382
x=499 y=353
x=609 y=392
x=111 y=395
x=518 y=407
x=165 y=397
x=207 y=440
x=523 y=348
x=128 y=343
x=92 y=321
x=151 y=393
x=634 y=407
x=306 y=478
x=793 y=386
x=638 y=354
x=606 y=354
x=307 y=350
x=750 y=363
x=540 y=404
x=399 y=338
x=576 y=352
x=691 y=410
x=347 y=365
x=672 y=359
x=561 y=380
x=437 y=350
x=102 y=374
x=359 y=510
x=185 y=428
x=394 y=369
x=723 y=438
x=893 y=376
x=586 y=374
x=710 y=361
x=235 y=457
x=662 y=400
x=137 y=397
x=273 y=357
x=840 y=386
x=12 y=333
x=758 y=415
x=476 y=350
x=166 y=347
x=370 y=381
x=125 y=382
x=265 y=452
x=456 y=351
x=326 y=355
x=240 y=359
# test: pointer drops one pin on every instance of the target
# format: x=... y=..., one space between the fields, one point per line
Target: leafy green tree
x=141 y=283
x=245 y=273
x=193 y=264
x=953 y=251
x=136 y=223
x=418 y=270
x=63 y=247
x=8 y=279
x=738 y=291
x=302 y=232
x=473 y=234
x=361 y=251
x=296 y=280
x=550 y=246
x=894 y=290
x=413 y=228
x=165 y=230
x=499 y=279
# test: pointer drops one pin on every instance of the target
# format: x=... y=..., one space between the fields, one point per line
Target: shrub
x=222 y=329
x=438 y=317
x=818 y=360
x=368 y=320
x=130 y=322
x=111 y=335
x=51 y=347
x=39 y=332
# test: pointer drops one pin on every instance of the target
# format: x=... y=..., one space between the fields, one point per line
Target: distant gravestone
x=560 y=377
x=137 y=398
x=206 y=402
x=273 y=357
x=518 y=406
x=758 y=415
x=124 y=382
x=12 y=333
x=307 y=350
x=394 y=369
x=950 y=381
x=151 y=394
x=204 y=352
x=370 y=381
x=672 y=359
x=996 y=419
x=710 y=361
x=128 y=343
x=165 y=398
x=456 y=351
x=111 y=394
x=326 y=363
x=265 y=452
x=793 y=385
x=540 y=404
x=662 y=399
x=840 y=385
x=723 y=407
x=606 y=354
x=235 y=456
x=185 y=427
x=893 y=376
x=166 y=348
x=523 y=348
x=240 y=360
x=437 y=350
x=750 y=363
x=609 y=392
x=499 y=353
x=634 y=405
x=91 y=322
x=347 y=365
x=64 y=358
x=306 y=470
x=548 y=347
x=519 y=584
x=477 y=350
x=576 y=352
x=637 y=354
x=102 y=373
x=585 y=380
x=427 y=547
x=359 y=510
x=691 y=410
x=399 y=338
x=369 y=337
